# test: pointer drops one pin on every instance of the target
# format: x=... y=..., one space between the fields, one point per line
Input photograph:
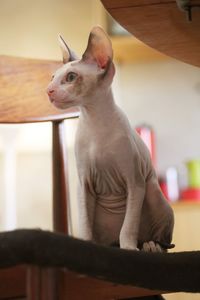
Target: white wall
x=26 y=179
x=165 y=95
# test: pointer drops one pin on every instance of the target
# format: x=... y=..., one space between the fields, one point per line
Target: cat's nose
x=50 y=92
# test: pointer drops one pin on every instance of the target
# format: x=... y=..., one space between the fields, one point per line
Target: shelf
x=161 y=25
x=182 y=204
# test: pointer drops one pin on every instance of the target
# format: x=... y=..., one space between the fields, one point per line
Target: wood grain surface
x=129 y=3
x=23 y=95
x=161 y=25
x=13 y=283
x=78 y=287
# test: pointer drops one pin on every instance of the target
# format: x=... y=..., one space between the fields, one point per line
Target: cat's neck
x=99 y=107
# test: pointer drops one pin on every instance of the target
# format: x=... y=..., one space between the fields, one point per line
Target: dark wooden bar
x=60 y=179
x=13 y=283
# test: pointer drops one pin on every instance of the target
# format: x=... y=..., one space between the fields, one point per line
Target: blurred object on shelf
x=147 y=134
x=172 y=184
x=163 y=186
x=193 y=167
x=191 y=194
x=169 y=184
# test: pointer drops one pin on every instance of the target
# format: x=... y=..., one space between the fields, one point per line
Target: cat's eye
x=71 y=76
x=52 y=77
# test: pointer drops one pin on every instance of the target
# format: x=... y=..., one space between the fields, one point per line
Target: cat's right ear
x=68 y=55
x=99 y=48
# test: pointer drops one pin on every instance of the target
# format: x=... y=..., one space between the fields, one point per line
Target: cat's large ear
x=99 y=48
x=68 y=55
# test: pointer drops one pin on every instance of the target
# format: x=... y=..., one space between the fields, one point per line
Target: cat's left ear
x=99 y=48
x=68 y=55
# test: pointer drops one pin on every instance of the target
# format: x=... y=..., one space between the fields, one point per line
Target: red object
x=163 y=186
x=147 y=135
x=190 y=194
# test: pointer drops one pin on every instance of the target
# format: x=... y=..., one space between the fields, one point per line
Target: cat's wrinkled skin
x=119 y=196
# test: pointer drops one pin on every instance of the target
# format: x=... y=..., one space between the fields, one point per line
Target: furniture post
x=44 y=283
x=60 y=180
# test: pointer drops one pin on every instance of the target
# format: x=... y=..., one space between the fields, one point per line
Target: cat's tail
x=171 y=272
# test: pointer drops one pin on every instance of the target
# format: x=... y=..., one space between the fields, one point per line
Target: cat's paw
x=151 y=246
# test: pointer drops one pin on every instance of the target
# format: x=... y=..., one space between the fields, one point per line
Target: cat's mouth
x=61 y=103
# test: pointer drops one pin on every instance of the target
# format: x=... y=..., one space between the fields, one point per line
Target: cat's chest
x=94 y=156
x=98 y=164
x=95 y=145
x=95 y=152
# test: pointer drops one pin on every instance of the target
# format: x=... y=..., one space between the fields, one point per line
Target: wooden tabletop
x=161 y=25
x=23 y=95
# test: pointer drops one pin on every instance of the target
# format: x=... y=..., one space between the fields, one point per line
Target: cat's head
x=79 y=80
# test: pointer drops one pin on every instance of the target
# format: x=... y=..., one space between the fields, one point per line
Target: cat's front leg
x=130 y=228
x=86 y=203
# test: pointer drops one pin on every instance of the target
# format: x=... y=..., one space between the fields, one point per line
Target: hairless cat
x=119 y=196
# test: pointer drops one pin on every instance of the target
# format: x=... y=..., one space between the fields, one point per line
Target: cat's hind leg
x=158 y=219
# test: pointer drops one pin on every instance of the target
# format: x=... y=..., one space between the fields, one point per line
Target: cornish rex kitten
x=119 y=196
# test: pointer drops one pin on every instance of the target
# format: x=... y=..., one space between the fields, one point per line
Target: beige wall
x=30 y=28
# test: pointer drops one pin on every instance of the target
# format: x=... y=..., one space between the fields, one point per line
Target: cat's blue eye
x=71 y=76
